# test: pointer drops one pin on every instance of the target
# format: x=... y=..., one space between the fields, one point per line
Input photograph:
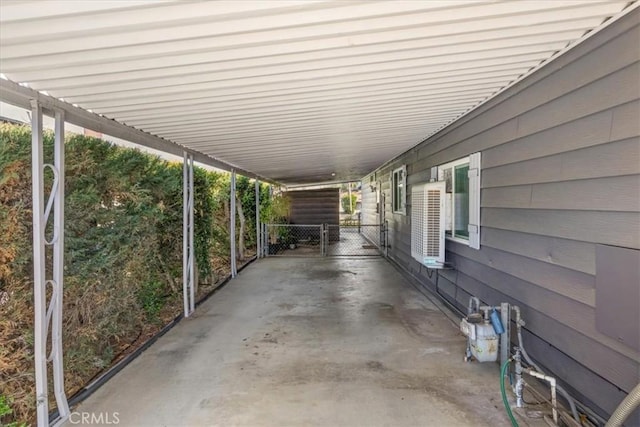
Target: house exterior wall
x=560 y=175
x=368 y=212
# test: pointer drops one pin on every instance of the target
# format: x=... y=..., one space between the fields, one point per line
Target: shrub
x=123 y=254
x=6 y=411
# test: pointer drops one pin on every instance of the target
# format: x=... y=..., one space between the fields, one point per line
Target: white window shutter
x=403 y=200
x=427 y=223
x=474 y=200
x=392 y=185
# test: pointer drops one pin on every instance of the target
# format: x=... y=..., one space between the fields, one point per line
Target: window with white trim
x=462 y=199
x=399 y=190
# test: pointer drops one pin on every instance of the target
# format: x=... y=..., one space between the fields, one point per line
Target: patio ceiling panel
x=296 y=91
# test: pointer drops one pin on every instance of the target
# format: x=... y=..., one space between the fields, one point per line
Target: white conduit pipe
x=626 y=407
x=552 y=383
x=563 y=392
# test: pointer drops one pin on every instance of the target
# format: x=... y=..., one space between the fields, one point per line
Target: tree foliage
x=123 y=253
x=349 y=203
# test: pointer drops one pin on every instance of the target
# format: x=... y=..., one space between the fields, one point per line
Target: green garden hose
x=503 y=372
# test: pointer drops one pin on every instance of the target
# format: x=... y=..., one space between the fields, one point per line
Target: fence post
x=265 y=240
x=386 y=238
x=258 y=241
x=324 y=233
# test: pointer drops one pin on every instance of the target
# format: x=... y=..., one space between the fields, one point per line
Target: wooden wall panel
x=315 y=206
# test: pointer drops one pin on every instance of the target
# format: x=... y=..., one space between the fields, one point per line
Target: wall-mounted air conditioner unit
x=427 y=223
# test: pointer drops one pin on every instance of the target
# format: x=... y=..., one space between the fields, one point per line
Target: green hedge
x=123 y=253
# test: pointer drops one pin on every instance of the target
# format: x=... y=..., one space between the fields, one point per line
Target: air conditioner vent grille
x=427 y=223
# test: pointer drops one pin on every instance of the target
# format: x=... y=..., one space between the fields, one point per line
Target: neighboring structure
x=558 y=208
x=310 y=207
x=316 y=207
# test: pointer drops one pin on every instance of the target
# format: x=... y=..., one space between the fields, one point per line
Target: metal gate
x=292 y=240
x=354 y=240
x=323 y=240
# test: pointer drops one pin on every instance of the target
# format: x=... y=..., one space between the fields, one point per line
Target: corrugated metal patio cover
x=291 y=90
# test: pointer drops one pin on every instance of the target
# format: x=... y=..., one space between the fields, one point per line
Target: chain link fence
x=293 y=240
x=323 y=240
x=353 y=240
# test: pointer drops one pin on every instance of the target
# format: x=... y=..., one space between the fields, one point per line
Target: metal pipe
x=519 y=324
x=474 y=302
x=519 y=387
x=552 y=383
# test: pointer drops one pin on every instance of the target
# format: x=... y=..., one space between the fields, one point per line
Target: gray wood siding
x=315 y=206
x=369 y=215
x=560 y=175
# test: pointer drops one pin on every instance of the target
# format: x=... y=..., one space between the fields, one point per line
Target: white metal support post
x=192 y=248
x=58 y=269
x=258 y=231
x=188 y=249
x=232 y=233
x=50 y=314
x=39 y=280
x=265 y=227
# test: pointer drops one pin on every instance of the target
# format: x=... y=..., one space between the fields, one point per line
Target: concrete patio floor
x=308 y=342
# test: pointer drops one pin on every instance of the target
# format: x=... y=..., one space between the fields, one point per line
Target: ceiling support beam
x=22 y=96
